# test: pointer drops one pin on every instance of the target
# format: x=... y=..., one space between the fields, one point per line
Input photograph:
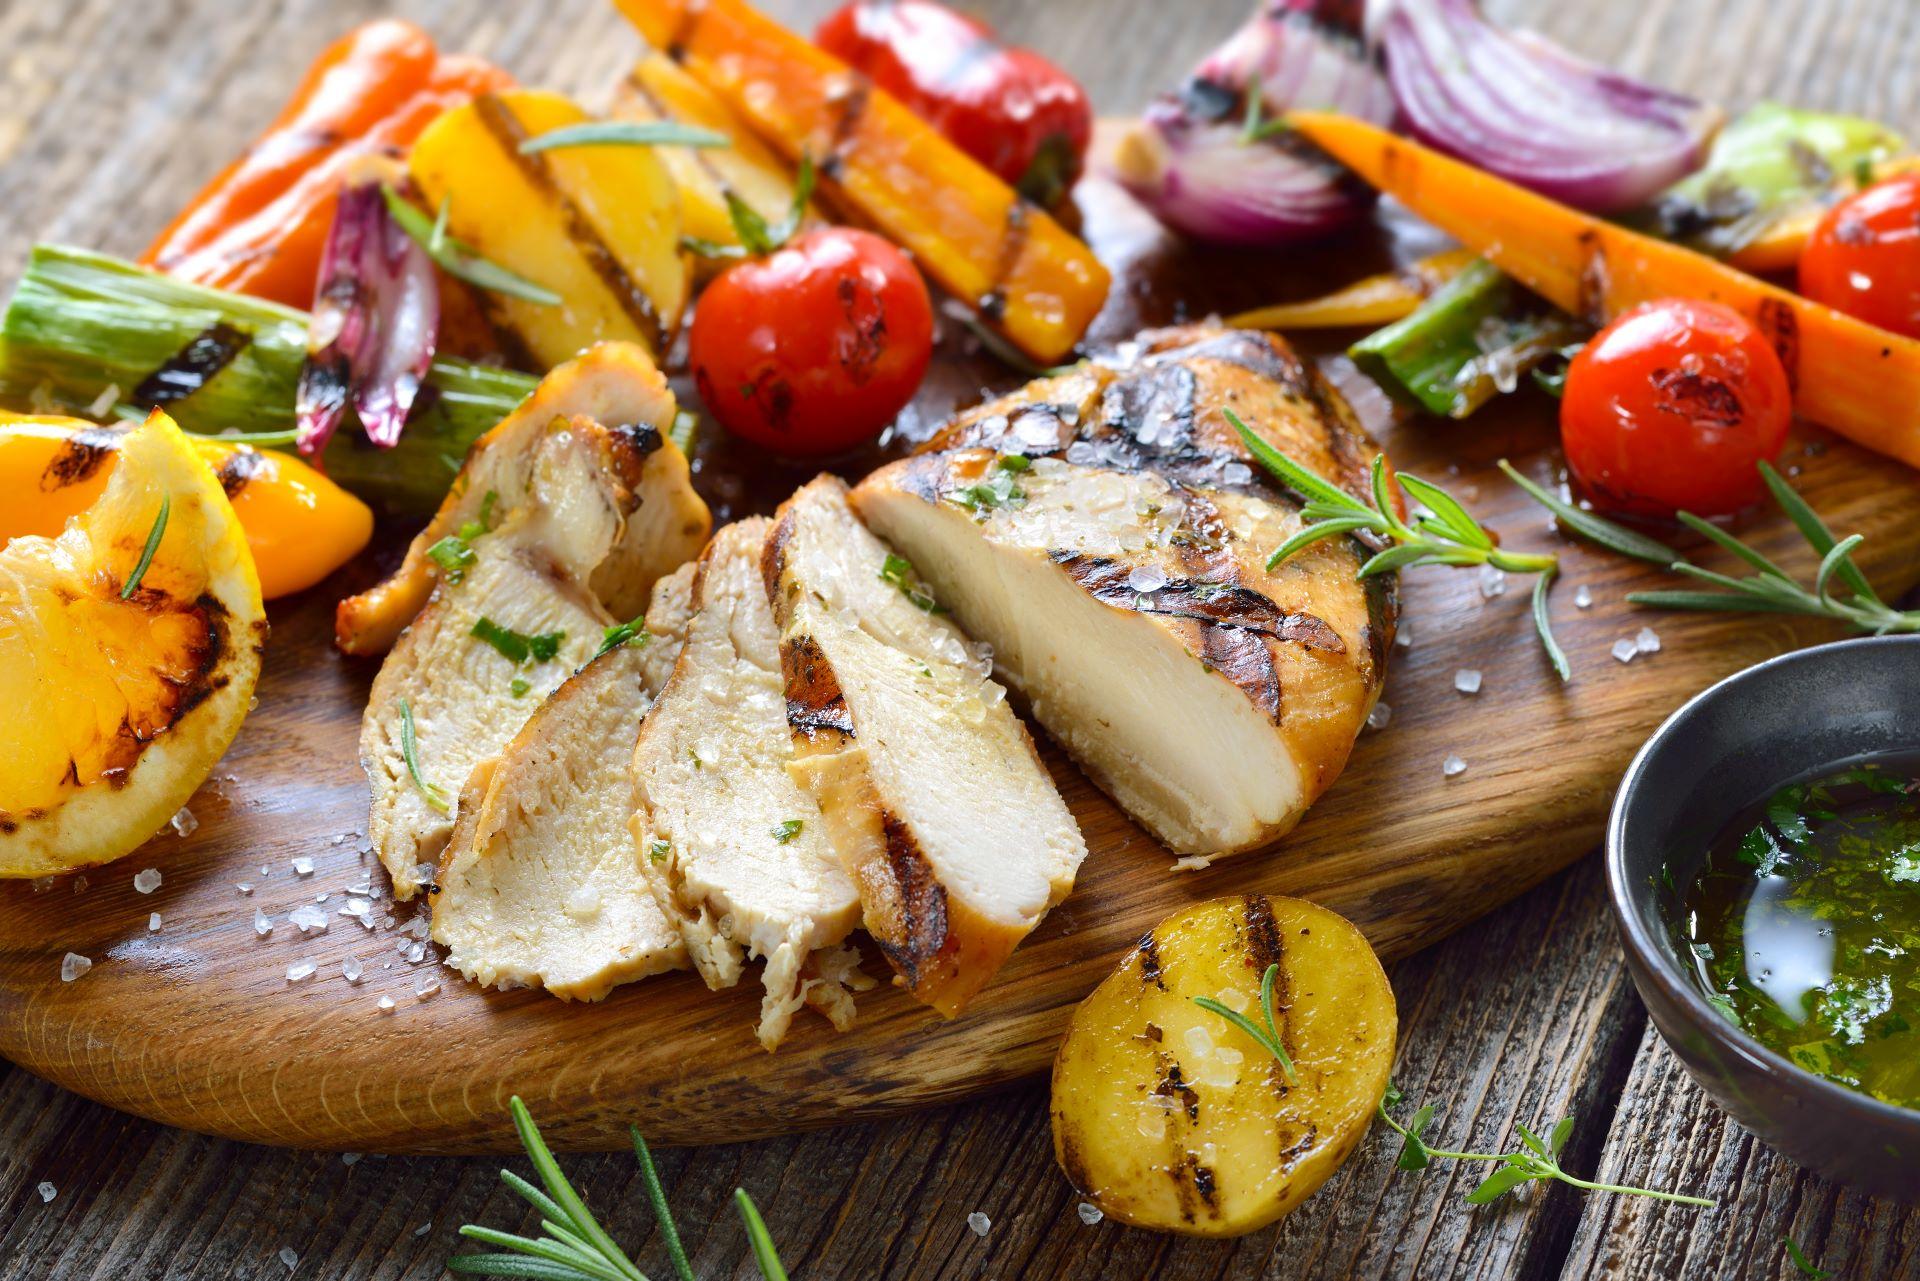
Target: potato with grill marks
x=1168 y=1116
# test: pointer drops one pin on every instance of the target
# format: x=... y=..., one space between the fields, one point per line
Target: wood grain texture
x=112 y=114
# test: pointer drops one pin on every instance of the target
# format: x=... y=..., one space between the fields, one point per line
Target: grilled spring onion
x=82 y=323
x=1473 y=339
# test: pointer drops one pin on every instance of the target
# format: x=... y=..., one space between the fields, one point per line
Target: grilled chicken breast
x=538 y=885
x=928 y=785
x=523 y=594
x=1106 y=531
x=615 y=384
x=737 y=850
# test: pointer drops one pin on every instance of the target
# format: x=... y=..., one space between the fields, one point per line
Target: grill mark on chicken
x=815 y=705
x=1249 y=350
x=80 y=456
x=507 y=130
x=922 y=940
x=1223 y=604
x=1242 y=658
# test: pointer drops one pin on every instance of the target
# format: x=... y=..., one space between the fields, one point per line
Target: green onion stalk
x=85 y=330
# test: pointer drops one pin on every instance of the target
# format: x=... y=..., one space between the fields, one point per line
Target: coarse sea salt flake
x=424 y=1228
x=1492 y=582
x=1090 y=1213
x=1647 y=641
x=243 y=887
x=310 y=919
x=262 y=923
x=386 y=1005
x=351 y=969
x=1380 y=715
x=183 y=822
x=583 y=903
x=1403 y=635
x=1583 y=598
x=979 y=1222
x=153 y=922
x=350 y=1158
x=73 y=965
x=302 y=866
x=47 y=1191
x=1624 y=649
x=288 y=1257
x=425 y=986
x=302 y=969
x=1452 y=765
x=1467 y=680
x=147 y=880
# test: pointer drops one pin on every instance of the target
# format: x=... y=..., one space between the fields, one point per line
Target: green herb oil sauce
x=1804 y=926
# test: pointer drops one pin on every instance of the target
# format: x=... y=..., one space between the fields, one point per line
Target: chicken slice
x=929 y=785
x=1214 y=700
x=538 y=885
x=737 y=850
x=522 y=603
x=613 y=383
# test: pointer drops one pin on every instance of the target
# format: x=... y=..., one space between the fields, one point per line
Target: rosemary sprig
x=1537 y=1160
x=1800 y=1261
x=435 y=796
x=1268 y=1036
x=626 y=133
x=574 y=1247
x=459 y=259
x=1444 y=534
x=154 y=536
x=757 y=236
x=1769 y=589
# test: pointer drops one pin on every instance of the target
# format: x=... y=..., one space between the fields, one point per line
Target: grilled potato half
x=1168 y=1116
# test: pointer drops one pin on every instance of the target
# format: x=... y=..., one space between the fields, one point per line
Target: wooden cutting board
x=196 y=1023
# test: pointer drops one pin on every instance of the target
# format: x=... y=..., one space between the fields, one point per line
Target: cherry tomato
x=1011 y=109
x=1864 y=257
x=1672 y=407
x=815 y=347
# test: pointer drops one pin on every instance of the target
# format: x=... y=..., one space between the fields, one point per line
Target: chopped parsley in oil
x=518 y=647
x=898 y=570
x=616 y=636
x=997 y=488
x=518 y=686
x=1804 y=926
x=454 y=554
x=784 y=832
x=658 y=851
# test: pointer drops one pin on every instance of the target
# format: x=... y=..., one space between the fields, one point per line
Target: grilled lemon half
x=129 y=648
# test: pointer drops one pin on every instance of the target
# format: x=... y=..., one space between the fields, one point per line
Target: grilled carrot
x=258 y=228
x=1376 y=300
x=1029 y=277
x=1861 y=381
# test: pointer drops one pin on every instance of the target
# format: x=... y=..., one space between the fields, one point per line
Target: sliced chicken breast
x=615 y=384
x=525 y=588
x=737 y=850
x=538 y=885
x=928 y=784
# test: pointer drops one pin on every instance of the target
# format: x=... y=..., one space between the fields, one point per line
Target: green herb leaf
x=1814 y=530
x=1594 y=528
x=517 y=647
x=1801 y=1261
x=898 y=570
x=764 y=1255
x=1543 y=626
x=483 y=522
x=626 y=133
x=1413 y=1152
x=786 y=831
x=1268 y=1037
x=657 y=1198
x=453 y=555
x=758 y=237
x=622 y=633
x=658 y=851
x=410 y=752
x=1499 y=1183
x=154 y=535
x=1447 y=509
x=1292 y=474
x=461 y=260
x=1562 y=1130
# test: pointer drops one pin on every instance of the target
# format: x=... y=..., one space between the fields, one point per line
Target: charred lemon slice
x=129 y=648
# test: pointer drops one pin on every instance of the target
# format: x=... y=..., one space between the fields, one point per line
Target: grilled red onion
x=1521 y=107
x=376 y=322
x=1194 y=163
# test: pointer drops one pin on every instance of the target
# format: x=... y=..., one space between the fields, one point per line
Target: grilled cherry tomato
x=1672 y=407
x=1011 y=109
x=1864 y=257
x=815 y=347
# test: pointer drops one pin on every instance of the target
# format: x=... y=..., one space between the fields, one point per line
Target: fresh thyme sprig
x=1538 y=1159
x=1769 y=589
x=1445 y=533
x=574 y=1247
x=1268 y=1036
x=154 y=535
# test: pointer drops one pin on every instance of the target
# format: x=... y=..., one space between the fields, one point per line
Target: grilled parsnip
x=658 y=88
x=1167 y=1116
x=600 y=226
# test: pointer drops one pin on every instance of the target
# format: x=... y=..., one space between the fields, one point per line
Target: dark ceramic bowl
x=1720 y=753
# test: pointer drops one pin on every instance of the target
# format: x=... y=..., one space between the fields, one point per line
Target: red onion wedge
x=1518 y=106
x=1209 y=159
x=376 y=322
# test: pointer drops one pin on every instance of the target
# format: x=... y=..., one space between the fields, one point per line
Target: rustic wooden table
x=111 y=114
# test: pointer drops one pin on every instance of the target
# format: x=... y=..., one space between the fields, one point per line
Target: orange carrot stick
x=1859 y=380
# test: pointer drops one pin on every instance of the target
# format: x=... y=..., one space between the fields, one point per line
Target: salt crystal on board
x=351 y=969
x=147 y=880
x=183 y=822
x=1381 y=713
x=386 y=1005
x=47 y=1191
x=1492 y=582
x=425 y=986
x=349 y=1158
x=79 y=885
x=1090 y=1213
x=243 y=887
x=1467 y=680
x=262 y=923
x=302 y=866
x=310 y=919
x=1624 y=649
x=153 y=922
x=72 y=966
x=979 y=1222
x=424 y=1228
x=1403 y=635
x=1583 y=597
x=302 y=969
x=288 y=1257
x=1452 y=765
x=1647 y=641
